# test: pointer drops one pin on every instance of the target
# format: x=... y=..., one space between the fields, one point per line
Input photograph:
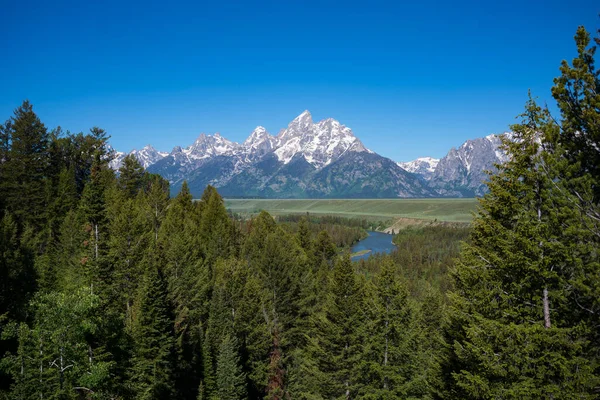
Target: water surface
x=377 y=242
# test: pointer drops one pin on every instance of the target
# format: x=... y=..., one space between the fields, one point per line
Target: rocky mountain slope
x=424 y=166
x=321 y=159
x=462 y=172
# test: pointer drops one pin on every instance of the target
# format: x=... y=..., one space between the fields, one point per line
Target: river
x=376 y=242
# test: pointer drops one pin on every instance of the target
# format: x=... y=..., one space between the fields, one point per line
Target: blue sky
x=410 y=78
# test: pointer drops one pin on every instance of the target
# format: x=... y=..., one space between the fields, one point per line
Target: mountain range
x=318 y=160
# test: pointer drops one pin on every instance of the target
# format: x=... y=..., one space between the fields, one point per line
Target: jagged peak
x=258 y=133
x=206 y=137
x=201 y=137
x=303 y=115
x=303 y=120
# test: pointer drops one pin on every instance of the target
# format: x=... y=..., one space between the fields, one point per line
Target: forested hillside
x=111 y=289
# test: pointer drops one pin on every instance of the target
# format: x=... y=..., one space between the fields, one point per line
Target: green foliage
x=131 y=176
x=153 y=369
x=389 y=363
x=24 y=171
x=17 y=277
x=337 y=341
x=522 y=319
x=425 y=254
x=56 y=357
x=231 y=380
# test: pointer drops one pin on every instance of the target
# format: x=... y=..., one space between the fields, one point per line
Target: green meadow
x=443 y=210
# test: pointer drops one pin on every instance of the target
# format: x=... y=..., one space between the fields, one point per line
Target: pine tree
x=337 y=339
x=17 y=285
x=17 y=277
x=389 y=362
x=189 y=282
x=231 y=380
x=153 y=371
x=131 y=176
x=514 y=281
x=92 y=209
x=64 y=199
x=574 y=145
x=127 y=244
x=71 y=252
x=324 y=251
x=215 y=226
x=577 y=94
x=303 y=235
x=156 y=202
x=24 y=170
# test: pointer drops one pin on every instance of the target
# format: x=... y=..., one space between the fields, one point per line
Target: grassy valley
x=393 y=213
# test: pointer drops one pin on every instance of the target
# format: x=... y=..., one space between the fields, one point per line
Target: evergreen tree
x=17 y=277
x=153 y=371
x=72 y=253
x=92 y=208
x=337 y=338
x=515 y=280
x=231 y=380
x=303 y=235
x=24 y=170
x=131 y=176
x=156 y=202
x=17 y=284
x=577 y=94
x=389 y=362
x=64 y=199
x=127 y=244
x=189 y=283
x=324 y=251
x=215 y=226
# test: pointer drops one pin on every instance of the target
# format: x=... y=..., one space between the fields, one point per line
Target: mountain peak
x=258 y=134
x=302 y=122
x=305 y=114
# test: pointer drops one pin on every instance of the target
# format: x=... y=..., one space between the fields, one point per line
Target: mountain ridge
x=321 y=159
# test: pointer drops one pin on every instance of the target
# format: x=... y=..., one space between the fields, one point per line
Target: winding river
x=376 y=242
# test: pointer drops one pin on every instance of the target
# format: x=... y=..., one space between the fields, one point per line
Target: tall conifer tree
x=153 y=371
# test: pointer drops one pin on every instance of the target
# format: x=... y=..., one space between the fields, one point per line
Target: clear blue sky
x=411 y=78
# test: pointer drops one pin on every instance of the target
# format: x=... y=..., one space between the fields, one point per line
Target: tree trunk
x=546 y=309
x=96 y=241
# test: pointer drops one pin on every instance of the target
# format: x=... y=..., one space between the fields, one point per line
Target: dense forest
x=111 y=289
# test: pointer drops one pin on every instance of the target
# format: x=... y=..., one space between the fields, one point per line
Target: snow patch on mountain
x=207 y=146
x=424 y=166
x=147 y=156
x=320 y=144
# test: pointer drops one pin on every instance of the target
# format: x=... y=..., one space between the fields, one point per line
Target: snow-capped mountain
x=322 y=159
x=462 y=172
x=259 y=143
x=287 y=165
x=424 y=166
x=146 y=156
x=320 y=143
